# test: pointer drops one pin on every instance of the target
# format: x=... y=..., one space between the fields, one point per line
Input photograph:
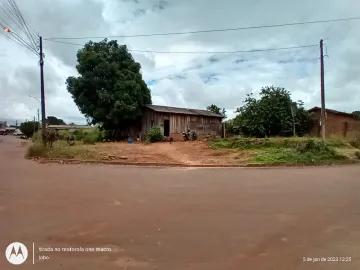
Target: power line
x=27 y=27
x=18 y=42
x=13 y=14
x=23 y=22
x=212 y=30
x=10 y=8
x=203 y=52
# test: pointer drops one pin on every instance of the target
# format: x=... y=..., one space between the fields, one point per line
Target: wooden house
x=174 y=121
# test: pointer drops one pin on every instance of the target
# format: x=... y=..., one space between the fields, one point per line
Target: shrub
x=313 y=146
x=155 y=135
x=89 y=138
x=355 y=142
x=63 y=134
x=36 y=150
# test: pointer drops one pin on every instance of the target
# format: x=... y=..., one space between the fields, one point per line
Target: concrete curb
x=181 y=165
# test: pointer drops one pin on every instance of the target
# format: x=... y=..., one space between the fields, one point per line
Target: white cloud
x=190 y=80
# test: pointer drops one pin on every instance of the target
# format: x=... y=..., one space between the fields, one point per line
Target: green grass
x=60 y=150
x=277 y=142
x=294 y=150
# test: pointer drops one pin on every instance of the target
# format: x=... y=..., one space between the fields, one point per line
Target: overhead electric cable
x=211 y=30
x=202 y=52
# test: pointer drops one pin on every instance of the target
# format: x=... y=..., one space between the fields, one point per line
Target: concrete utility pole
x=34 y=125
x=43 y=117
x=322 y=123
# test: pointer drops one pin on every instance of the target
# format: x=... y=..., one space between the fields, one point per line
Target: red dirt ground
x=188 y=153
x=178 y=218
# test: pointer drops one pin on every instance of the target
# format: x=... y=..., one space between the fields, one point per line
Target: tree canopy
x=110 y=89
x=52 y=120
x=29 y=128
x=273 y=114
x=215 y=109
x=357 y=114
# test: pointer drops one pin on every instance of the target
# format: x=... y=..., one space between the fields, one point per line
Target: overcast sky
x=189 y=80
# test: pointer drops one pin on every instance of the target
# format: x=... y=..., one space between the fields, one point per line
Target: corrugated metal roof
x=333 y=111
x=166 y=109
x=68 y=126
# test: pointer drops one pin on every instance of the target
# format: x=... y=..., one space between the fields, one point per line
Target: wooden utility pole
x=322 y=123
x=43 y=119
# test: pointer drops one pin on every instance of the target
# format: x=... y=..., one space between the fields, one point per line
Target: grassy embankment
x=293 y=151
x=60 y=149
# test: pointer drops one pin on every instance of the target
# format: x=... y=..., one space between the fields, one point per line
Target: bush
x=63 y=134
x=355 y=142
x=90 y=138
x=357 y=154
x=36 y=150
x=90 y=135
x=313 y=146
x=154 y=135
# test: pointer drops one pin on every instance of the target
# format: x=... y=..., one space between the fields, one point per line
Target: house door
x=166 y=127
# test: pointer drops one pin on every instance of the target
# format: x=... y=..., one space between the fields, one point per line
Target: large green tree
x=52 y=120
x=273 y=114
x=215 y=109
x=110 y=89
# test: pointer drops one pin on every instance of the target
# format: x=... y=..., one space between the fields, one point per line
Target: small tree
x=274 y=114
x=215 y=109
x=29 y=128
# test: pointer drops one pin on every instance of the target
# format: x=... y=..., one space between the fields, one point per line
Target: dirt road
x=174 y=218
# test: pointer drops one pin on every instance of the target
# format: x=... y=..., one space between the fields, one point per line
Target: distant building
x=336 y=123
x=10 y=130
x=3 y=124
x=68 y=127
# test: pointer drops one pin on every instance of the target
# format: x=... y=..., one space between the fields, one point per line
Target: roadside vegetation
x=293 y=150
x=61 y=149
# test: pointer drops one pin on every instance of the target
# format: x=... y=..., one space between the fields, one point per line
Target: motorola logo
x=16 y=253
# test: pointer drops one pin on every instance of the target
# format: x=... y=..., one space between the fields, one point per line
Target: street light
x=38 y=116
x=35 y=98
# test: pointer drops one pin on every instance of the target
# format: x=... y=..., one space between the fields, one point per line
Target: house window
x=152 y=123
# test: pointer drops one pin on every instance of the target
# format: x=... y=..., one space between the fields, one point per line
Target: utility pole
x=38 y=118
x=16 y=124
x=43 y=120
x=34 y=125
x=293 y=114
x=323 y=126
